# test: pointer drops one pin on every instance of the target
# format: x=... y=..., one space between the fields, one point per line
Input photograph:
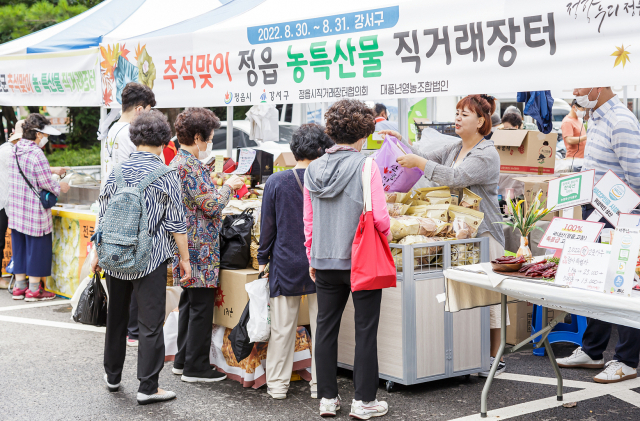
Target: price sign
x=574 y=190
x=622 y=266
x=583 y=265
x=247 y=156
x=611 y=197
x=561 y=230
x=219 y=164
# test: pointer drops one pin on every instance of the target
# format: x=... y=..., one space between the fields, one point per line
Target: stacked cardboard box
x=520 y=316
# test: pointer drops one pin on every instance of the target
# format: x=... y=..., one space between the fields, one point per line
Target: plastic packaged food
x=440 y=212
x=397 y=209
x=400 y=228
x=465 y=221
x=470 y=200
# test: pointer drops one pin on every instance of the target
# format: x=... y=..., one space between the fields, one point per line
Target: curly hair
x=512 y=118
x=193 y=121
x=32 y=124
x=349 y=120
x=136 y=94
x=483 y=105
x=309 y=142
x=150 y=128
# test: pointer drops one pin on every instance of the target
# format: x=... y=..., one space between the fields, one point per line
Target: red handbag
x=372 y=265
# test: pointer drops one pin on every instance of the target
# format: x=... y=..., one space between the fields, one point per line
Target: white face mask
x=205 y=154
x=581 y=114
x=584 y=101
x=43 y=142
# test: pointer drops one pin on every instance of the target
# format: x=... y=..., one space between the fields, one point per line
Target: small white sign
x=570 y=191
x=564 y=229
x=247 y=156
x=622 y=265
x=611 y=197
x=629 y=220
x=583 y=265
x=219 y=163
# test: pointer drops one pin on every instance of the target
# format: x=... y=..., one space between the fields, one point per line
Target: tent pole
x=230 y=131
x=403 y=117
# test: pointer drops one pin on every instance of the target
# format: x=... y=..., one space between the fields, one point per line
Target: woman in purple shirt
x=30 y=223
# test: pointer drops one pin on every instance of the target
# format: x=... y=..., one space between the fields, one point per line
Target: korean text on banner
x=570 y=191
x=622 y=265
x=611 y=197
x=381 y=51
x=561 y=230
x=583 y=265
x=53 y=79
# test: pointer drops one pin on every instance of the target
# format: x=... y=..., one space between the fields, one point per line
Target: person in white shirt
x=382 y=119
x=117 y=147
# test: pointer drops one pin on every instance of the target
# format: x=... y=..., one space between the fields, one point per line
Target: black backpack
x=235 y=240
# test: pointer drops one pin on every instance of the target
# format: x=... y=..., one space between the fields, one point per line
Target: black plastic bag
x=239 y=337
x=235 y=240
x=92 y=306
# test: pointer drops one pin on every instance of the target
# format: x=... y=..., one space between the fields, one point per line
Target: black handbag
x=235 y=240
x=47 y=198
x=92 y=305
x=241 y=345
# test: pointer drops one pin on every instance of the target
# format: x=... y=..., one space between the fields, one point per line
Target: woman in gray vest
x=473 y=162
x=333 y=203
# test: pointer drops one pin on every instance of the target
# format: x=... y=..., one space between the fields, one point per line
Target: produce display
x=427 y=215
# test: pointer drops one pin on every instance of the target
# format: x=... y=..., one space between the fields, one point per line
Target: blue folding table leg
x=563 y=332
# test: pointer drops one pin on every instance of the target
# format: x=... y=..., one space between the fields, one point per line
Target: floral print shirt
x=203 y=208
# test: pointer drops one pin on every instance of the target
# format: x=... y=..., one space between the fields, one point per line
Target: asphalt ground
x=54 y=372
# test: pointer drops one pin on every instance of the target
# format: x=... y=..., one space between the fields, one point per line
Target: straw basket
x=254 y=255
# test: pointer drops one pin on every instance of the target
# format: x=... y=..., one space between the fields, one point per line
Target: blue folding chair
x=563 y=332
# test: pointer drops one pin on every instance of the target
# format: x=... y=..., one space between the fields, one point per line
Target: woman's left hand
x=412 y=161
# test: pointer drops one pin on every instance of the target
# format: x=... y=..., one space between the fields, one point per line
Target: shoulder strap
x=117 y=170
x=298 y=180
x=366 y=184
x=153 y=176
x=115 y=138
x=25 y=177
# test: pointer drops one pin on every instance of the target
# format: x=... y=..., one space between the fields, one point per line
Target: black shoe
x=155 y=398
x=208 y=377
x=111 y=387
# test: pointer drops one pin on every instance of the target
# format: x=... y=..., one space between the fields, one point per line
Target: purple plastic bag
x=395 y=178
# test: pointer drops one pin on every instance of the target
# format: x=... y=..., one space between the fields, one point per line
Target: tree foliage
x=20 y=19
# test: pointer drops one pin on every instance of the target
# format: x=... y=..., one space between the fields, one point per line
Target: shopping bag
x=239 y=338
x=259 y=325
x=372 y=265
x=395 y=178
x=235 y=240
x=92 y=305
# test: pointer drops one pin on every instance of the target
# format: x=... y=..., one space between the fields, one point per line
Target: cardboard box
x=533 y=184
x=231 y=298
x=526 y=151
x=374 y=141
x=284 y=161
x=520 y=315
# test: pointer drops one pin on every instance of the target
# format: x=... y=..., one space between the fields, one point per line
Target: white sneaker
x=111 y=387
x=160 y=396
x=177 y=371
x=502 y=366
x=276 y=395
x=314 y=394
x=614 y=372
x=579 y=359
x=365 y=410
x=329 y=407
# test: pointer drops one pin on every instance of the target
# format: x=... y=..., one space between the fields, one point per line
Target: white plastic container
x=606 y=236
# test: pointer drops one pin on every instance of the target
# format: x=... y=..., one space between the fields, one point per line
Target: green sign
x=569 y=189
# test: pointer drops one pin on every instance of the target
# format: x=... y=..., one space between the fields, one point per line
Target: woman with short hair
x=149 y=132
x=333 y=205
x=282 y=247
x=30 y=223
x=203 y=205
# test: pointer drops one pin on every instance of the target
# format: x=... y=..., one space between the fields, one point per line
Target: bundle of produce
x=538 y=269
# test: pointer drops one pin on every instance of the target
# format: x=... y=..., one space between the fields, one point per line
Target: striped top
x=614 y=143
x=163 y=193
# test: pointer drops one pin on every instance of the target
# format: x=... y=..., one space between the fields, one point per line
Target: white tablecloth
x=468 y=290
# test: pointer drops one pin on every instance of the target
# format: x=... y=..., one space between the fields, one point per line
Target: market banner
x=51 y=79
x=383 y=50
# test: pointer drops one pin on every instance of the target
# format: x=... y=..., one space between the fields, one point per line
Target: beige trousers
x=284 y=322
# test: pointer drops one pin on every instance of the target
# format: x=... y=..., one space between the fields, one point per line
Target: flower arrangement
x=525 y=214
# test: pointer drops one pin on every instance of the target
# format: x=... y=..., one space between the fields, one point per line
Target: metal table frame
x=544 y=341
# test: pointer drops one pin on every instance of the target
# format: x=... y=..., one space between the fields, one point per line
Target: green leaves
x=20 y=19
x=525 y=214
